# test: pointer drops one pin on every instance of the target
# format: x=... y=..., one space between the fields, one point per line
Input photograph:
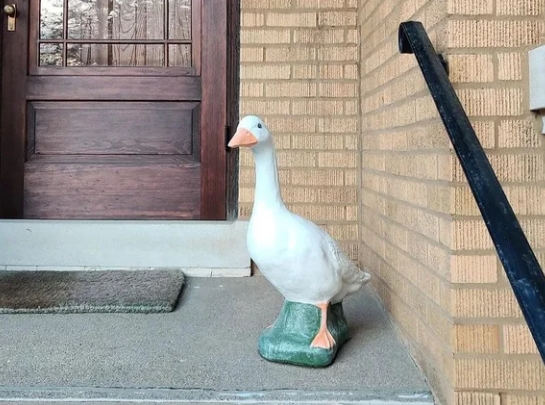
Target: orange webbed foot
x=323 y=339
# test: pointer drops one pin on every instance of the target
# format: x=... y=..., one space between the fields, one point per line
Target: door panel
x=102 y=128
x=108 y=88
x=106 y=98
x=112 y=187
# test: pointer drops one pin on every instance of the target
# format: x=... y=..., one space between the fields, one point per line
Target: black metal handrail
x=518 y=259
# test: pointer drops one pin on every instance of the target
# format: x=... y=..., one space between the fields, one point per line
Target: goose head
x=251 y=132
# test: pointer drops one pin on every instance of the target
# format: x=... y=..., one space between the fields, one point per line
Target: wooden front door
x=117 y=109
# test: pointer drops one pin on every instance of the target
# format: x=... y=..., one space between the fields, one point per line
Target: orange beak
x=242 y=137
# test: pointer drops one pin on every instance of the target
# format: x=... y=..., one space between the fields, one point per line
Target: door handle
x=11 y=11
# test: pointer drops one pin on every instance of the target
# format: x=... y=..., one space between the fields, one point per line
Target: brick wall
x=406 y=221
x=422 y=234
x=495 y=358
x=362 y=152
x=299 y=73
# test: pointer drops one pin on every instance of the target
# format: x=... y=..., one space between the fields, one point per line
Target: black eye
x=259 y=126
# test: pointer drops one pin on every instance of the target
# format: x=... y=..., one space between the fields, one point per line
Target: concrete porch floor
x=203 y=352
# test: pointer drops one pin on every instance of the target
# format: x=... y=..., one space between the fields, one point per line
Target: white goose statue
x=298 y=258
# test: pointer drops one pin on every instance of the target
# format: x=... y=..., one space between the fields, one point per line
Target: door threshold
x=198 y=248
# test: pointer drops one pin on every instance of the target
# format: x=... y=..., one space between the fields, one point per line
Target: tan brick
x=322 y=36
x=337 y=18
x=300 y=19
x=244 y=211
x=266 y=4
x=518 y=340
x=471 y=235
x=474 y=269
x=466 y=7
x=350 y=71
x=331 y=71
x=258 y=107
x=351 y=249
x=345 y=53
x=518 y=134
x=518 y=168
x=526 y=200
x=439 y=261
x=304 y=72
x=463 y=202
x=486 y=33
x=273 y=72
x=264 y=36
x=320 y=213
x=492 y=102
x=476 y=338
x=351 y=36
x=351 y=107
x=333 y=196
x=252 y=19
x=317 y=107
x=291 y=124
x=352 y=213
x=426 y=167
x=535 y=232
x=318 y=4
x=246 y=176
x=251 y=89
x=477 y=398
x=510 y=66
x=445 y=232
x=480 y=303
x=513 y=399
x=500 y=374
x=350 y=177
x=296 y=159
x=465 y=68
x=522 y=8
x=509 y=168
x=318 y=177
x=246 y=158
x=337 y=90
x=290 y=89
x=351 y=142
x=338 y=125
x=253 y=54
x=342 y=232
x=291 y=54
x=246 y=195
x=306 y=142
x=337 y=159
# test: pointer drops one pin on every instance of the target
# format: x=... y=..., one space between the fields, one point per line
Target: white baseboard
x=199 y=248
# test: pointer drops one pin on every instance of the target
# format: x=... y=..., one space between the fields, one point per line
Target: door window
x=91 y=34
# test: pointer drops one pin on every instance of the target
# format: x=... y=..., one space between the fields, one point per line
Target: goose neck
x=267 y=188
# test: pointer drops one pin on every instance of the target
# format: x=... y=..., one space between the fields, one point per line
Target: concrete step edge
x=85 y=395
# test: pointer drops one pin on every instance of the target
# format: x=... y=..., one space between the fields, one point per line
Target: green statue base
x=289 y=339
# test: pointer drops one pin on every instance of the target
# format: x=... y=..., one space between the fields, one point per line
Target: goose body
x=297 y=257
x=301 y=260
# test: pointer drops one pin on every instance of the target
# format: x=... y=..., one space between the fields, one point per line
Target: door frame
x=223 y=47
x=219 y=166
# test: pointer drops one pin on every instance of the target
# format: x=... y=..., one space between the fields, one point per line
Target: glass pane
x=50 y=54
x=115 y=55
x=179 y=19
x=115 y=19
x=179 y=55
x=51 y=19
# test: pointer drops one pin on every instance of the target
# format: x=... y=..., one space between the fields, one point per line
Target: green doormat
x=42 y=292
